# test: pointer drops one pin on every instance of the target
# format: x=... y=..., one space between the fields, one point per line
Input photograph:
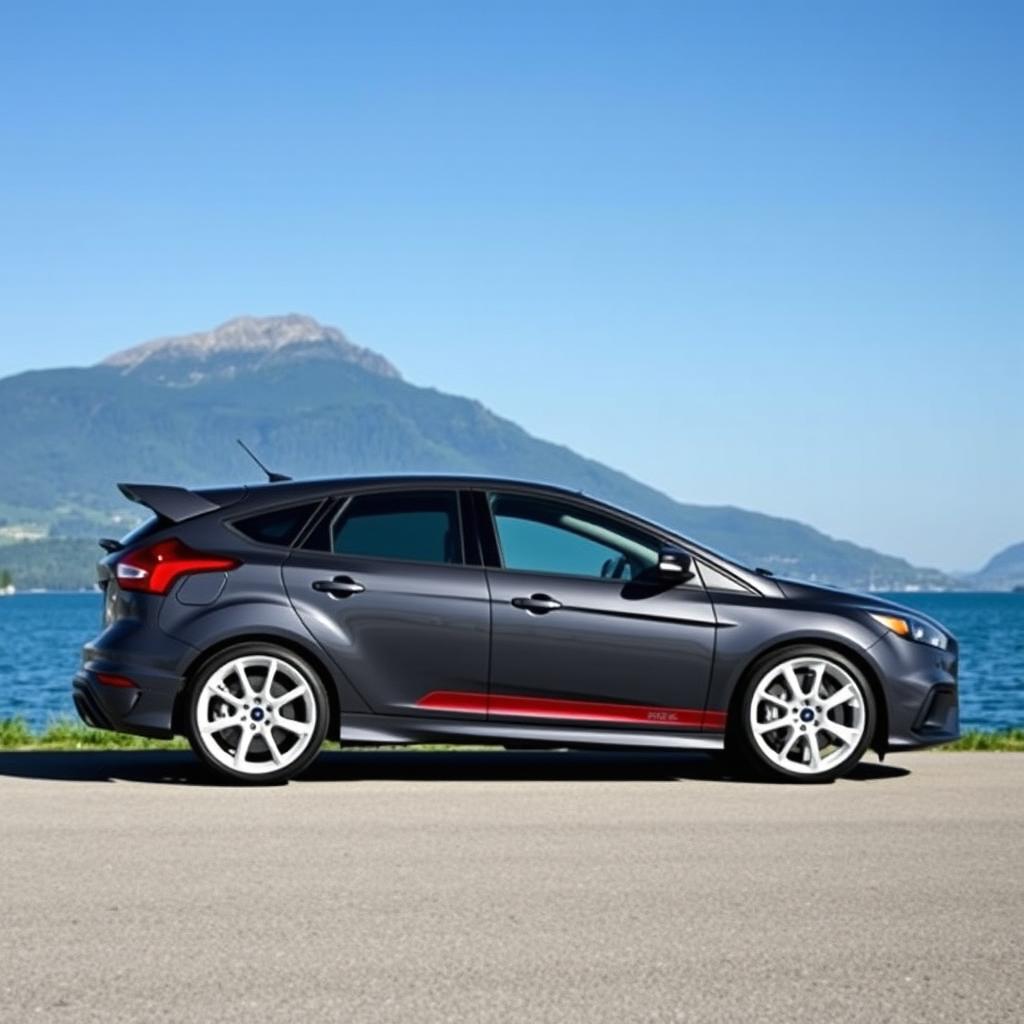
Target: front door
x=385 y=590
x=583 y=631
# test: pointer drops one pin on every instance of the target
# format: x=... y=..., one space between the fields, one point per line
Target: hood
x=797 y=590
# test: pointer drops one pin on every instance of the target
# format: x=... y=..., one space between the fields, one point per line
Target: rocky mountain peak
x=245 y=342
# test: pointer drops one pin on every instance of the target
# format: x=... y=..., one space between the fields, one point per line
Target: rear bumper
x=146 y=707
x=922 y=696
x=124 y=709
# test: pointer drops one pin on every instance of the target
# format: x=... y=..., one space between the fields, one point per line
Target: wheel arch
x=879 y=739
x=289 y=643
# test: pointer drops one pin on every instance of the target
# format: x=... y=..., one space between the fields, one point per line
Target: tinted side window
x=541 y=535
x=415 y=526
x=280 y=526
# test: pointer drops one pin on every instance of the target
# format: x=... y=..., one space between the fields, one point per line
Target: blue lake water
x=40 y=636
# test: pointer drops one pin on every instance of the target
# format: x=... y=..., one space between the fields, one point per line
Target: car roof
x=287 y=490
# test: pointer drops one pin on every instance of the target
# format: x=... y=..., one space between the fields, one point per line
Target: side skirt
x=393 y=729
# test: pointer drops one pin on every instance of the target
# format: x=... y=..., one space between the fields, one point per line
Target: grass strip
x=980 y=739
x=67 y=734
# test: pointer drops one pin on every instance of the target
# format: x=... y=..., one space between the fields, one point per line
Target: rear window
x=279 y=527
x=414 y=526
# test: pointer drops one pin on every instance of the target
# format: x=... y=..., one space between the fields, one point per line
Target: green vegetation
x=6 y=579
x=53 y=564
x=67 y=734
x=976 y=739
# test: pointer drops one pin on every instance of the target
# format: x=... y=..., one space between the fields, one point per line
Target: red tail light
x=154 y=569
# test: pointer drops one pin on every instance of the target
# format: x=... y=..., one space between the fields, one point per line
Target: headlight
x=913 y=629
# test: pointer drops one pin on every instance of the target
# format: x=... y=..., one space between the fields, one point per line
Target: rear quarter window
x=278 y=527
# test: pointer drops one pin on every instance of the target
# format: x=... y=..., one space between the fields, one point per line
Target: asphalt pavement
x=523 y=886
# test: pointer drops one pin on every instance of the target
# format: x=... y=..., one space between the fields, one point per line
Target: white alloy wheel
x=256 y=714
x=808 y=715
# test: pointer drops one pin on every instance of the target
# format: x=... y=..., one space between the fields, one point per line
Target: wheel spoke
x=220 y=724
x=788 y=745
x=777 y=701
x=223 y=693
x=243 y=678
x=268 y=681
x=291 y=725
x=776 y=723
x=813 y=751
x=843 y=733
x=792 y=681
x=299 y=691
x=817 y=679
x=242 y=750
x=275 y=753
x=841 y=696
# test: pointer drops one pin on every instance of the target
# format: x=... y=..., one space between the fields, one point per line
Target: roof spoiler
x=174 y=503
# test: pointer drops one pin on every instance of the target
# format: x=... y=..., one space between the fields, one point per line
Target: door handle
x=541 y=604
x=340 y=586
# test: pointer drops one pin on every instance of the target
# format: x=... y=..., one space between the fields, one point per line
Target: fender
x=268 y=614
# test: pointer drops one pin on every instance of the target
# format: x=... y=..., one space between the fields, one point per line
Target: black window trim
x=343 y=501
x=472 y=543
x=737 y=587
x=326 y=504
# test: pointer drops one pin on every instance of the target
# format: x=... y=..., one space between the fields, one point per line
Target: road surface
x=520 y=886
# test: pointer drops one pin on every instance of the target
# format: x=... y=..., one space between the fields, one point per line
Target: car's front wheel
x=257 y=713
x=807 y=715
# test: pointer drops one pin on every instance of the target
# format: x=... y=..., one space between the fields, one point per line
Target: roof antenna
x=274 y=478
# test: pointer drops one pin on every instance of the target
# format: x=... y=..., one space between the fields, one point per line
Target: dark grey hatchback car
x=257 y=621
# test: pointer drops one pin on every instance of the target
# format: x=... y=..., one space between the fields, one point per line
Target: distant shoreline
x=40 y=592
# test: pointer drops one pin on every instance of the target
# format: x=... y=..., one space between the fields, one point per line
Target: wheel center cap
x=807 y=715
x=256 y=714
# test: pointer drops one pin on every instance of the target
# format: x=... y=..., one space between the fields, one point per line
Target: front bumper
x=921 y=692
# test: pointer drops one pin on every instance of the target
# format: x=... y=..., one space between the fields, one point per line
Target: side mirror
x=674 y=565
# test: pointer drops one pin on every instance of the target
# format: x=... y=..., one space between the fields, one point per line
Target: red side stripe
x=454 y=700
x=575 y=710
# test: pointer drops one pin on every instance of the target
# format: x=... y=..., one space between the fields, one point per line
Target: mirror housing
x=674 y=564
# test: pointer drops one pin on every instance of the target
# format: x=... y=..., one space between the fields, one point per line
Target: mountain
x=1003 y=571
x=311 y=403
x=246 y=343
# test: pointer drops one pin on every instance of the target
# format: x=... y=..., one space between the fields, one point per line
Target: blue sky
x=766 y=254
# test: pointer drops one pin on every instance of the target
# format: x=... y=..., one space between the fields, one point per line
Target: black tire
x=747 y=755
x=317 y=709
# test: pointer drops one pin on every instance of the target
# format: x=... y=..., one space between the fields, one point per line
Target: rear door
x=384 y=586
x=584 y=633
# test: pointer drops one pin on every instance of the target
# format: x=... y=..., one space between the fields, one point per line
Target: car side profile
x=260 y=621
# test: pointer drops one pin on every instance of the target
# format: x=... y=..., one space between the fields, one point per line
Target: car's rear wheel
x=807 y=715
x=258 y=713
